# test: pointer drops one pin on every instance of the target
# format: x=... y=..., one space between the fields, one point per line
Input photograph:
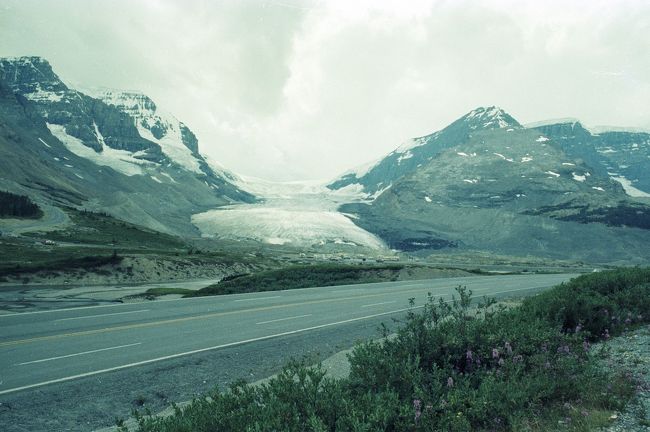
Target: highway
x=44 y=348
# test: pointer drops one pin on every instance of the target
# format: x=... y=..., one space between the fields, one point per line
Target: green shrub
x=301 y=277
x=597 y=304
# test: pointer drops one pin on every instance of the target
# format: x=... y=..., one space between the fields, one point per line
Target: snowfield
x=120 y=160
x=296 y=214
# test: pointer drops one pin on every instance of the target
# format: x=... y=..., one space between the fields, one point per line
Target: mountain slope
x=624 y=156
x=418 y=151
x=68 y=148
x=508 y=190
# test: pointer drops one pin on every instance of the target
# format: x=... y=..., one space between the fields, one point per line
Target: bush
x=596 y=304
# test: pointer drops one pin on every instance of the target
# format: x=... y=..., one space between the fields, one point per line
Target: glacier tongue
x=299 y=214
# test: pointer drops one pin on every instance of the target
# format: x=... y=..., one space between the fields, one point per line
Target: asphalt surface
x=40 y=348
x=117 y=349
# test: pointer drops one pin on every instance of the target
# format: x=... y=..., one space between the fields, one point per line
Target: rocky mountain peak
x=490 y=118
x=131 y=102
x=30 y=75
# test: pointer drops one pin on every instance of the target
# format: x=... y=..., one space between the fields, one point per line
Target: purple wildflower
x=606 y=334
x=495 y=353
x=469 y=356
x=547 y=365
x=628 y=321
x=578 y=328
x=586 y=345
x=416 y=406
x=518 y=358
x=501 y=362
x=508 y=348
x=450 y=382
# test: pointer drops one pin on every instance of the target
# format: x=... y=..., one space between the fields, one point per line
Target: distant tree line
x=12 y=205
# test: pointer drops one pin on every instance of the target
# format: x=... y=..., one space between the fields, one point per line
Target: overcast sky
x=287 y=89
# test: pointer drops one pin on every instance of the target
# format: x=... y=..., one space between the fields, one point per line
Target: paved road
x=43 y=348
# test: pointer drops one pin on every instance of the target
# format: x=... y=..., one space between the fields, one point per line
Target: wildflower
x=578 y=328
x=628 y=321
x=586 y=345
x=545 y=347
x=518 y=358
x=508 y=348
x=501 y=362
x=450 y=382
x=469 y=356
x=495 y=353
x=478 y=362
x=606 y=334
x=417 y=404
x=547 y=365
x=585 y=413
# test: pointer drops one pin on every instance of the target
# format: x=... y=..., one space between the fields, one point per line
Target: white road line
x=257 y=298
x=378 y=304
x=103 y=315
x=282 y=319
x=77 y=354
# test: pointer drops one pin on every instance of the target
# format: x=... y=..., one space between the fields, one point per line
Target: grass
x=83 y=262
x=302 y=277
x=451 y=368
x=91 y=228
x=92 y=241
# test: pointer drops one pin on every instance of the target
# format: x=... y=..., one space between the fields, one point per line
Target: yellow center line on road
x=215 y=315
x=191 y=318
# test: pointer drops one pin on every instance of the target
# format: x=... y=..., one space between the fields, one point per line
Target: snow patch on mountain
x=120 y=160
x=148 y=117
x=630 y=189
x=579 y=178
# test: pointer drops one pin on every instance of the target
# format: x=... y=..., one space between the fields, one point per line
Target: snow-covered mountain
x=487 y=183
x=115 y=151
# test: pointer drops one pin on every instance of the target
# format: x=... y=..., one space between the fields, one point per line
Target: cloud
x=288 y=89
